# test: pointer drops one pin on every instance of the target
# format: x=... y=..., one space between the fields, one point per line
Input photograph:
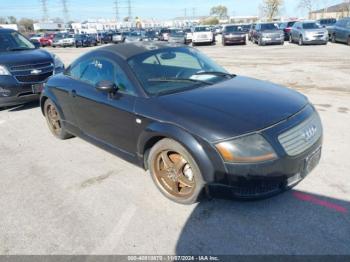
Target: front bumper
x=271 y=41
x=234 y=40
x=15 y=93
x=250 y=181
x=315 y=40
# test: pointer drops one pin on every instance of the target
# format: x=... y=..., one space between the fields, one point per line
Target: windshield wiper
x=215 y=73
x=179 y=80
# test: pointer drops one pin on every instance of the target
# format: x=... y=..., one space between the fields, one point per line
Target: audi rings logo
x=309 y=133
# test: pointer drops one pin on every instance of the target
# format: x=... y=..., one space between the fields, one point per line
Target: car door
x=106 y=118
x=340 y=31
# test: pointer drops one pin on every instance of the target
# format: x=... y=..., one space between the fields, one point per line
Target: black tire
x=260 y=43
x=290 y=39
x=348 y=40
x=168 y=145
x=223 y=43
x=58 y=131
x=334 y=39
x=300 y=42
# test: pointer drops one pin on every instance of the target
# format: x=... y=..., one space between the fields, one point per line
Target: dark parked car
x=287 y=28
x=107 y=38
x=233 y=34
x=251 y=32
x=23 y=68
x=268 y=33
x=340 y=32
x=150 y=36
x=327 y=22
x=84 y=41
x=170 y=109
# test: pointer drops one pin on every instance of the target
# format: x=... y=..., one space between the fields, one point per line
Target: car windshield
x=173 y=70
x=202 y=29
x=177 y=33
x=13 y=41
x=268 y=27
x=311 y=26
x=80 y=37
x=233 y=28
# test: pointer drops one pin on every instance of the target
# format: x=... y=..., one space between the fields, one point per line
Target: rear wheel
x=349 y=40
x=175 y=172
x=54 y=121
x=334 y=39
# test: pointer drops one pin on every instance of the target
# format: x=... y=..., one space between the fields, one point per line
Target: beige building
x=335 y=11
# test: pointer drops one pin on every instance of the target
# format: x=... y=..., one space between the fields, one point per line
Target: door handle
x=73 y=93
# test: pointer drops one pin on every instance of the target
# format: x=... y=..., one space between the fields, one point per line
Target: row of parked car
x=301 y=32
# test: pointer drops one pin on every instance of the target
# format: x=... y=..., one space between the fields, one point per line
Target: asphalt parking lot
x=69 y=197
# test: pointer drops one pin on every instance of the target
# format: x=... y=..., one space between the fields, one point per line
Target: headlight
x=248 y=149
x=4 y=71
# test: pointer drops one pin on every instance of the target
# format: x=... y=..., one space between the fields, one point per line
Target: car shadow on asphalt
x=294 y=223
x=23 y=107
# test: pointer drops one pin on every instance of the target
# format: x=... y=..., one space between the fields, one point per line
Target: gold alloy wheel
x=53 y=119
x=175 y=175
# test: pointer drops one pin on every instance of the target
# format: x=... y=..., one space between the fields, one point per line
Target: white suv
x=202 y=35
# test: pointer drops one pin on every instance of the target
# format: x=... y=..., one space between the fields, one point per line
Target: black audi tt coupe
x=199 y=129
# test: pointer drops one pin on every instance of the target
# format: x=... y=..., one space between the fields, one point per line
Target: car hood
x=228 y=109
x=271 y=31
x=320 y=30
x=25 y=57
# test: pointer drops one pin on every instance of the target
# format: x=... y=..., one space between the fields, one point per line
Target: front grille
x=25 y=74
x=34 y=78
x=300 y=138
x=40 y=66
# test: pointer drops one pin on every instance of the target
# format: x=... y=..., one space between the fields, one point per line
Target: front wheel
x=175 y=172
x=301 y=41
x=54 y=121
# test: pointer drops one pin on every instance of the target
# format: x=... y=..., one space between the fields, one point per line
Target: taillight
x=288 y=29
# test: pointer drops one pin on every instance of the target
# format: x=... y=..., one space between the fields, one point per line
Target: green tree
x=219 y=11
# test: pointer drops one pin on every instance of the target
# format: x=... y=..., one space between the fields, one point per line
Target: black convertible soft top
x=127 y=50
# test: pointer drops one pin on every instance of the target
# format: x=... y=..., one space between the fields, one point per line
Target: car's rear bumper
x=315 y=41
x=234 y=40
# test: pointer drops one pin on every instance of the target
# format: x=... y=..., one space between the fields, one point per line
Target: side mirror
x=106 y=86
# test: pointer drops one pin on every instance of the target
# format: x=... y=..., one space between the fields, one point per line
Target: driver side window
x=94 y=70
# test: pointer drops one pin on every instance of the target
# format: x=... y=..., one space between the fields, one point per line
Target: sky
x=157 y=9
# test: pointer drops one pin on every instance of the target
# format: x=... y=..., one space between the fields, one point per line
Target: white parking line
x=112 y=240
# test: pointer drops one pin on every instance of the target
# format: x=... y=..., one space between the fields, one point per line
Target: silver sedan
x=308 y=32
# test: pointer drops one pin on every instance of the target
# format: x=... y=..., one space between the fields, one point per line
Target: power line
x=116 y=3
x=65 y=11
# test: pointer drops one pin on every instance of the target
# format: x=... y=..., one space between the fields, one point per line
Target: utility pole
x=193 y=12
x=116 y=3
x=44 y=9
x=65 y=11
x=129 y=10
